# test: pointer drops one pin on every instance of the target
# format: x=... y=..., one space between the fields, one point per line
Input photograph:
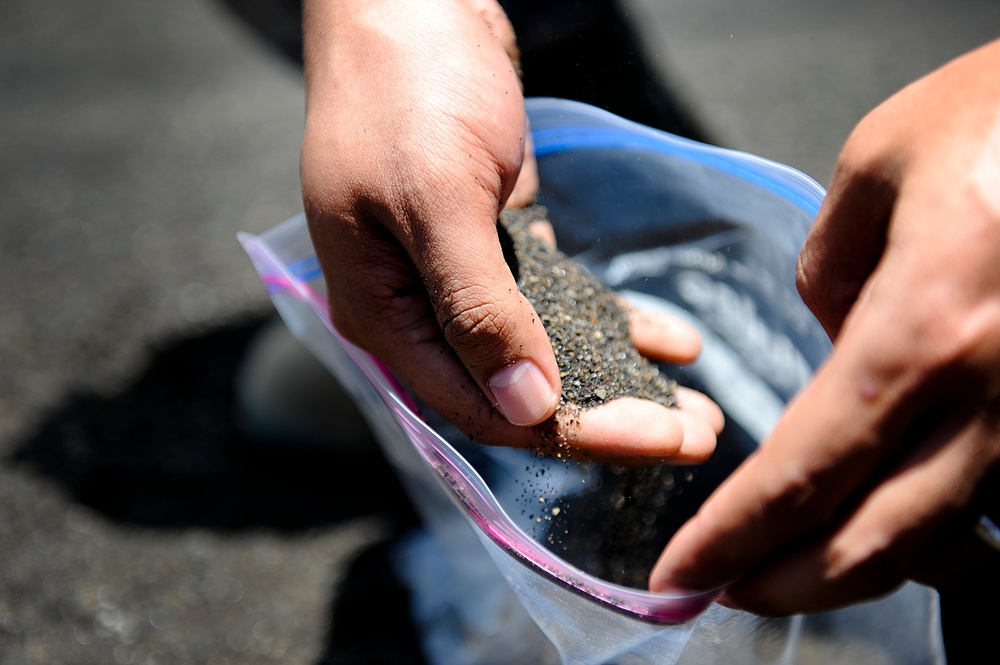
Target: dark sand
x=587 y=326
x=615 y=529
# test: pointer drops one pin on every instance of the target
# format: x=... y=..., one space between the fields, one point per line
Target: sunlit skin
x=881 y=466
x=415 y=140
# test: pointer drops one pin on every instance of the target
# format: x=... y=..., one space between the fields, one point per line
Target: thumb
x=490 y=325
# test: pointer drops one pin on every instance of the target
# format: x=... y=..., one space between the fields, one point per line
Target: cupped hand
x=880 y=468
x=415 y=139
x=631 y=431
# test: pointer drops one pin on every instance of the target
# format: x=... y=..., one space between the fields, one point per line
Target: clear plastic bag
x=540 y=560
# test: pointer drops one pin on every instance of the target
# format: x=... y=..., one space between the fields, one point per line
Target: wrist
x=359 y=29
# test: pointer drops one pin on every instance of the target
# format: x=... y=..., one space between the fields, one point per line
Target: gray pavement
x=789 y=79
x=136 y=139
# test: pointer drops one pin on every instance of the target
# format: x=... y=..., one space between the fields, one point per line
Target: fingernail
x=522 y=393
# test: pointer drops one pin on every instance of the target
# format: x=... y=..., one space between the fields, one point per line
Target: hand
x=881 y=466
x=415 y=139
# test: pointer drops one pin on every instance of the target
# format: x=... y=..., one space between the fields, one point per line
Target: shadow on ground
x=166 y=452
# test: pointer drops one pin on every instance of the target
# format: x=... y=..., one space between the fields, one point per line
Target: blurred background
x=138 y=522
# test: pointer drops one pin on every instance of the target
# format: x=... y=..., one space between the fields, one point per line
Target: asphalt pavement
x=138 y=524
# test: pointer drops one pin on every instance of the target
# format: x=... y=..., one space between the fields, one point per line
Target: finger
x=633 y=430
x=700 y=407
x=623 y=431
x=493 y=329
x=846 y=241
x=395 y=322
x=914 y=523
x=662 y=337
x=542 y=229
x=496 y=333
x=814 y=460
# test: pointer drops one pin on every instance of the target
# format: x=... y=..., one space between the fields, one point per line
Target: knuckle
x=472 y=319
x=379 y=306
x=977 y=335
x=868 y=565
x=794 y=500
x=953 y=340
x=795 y=493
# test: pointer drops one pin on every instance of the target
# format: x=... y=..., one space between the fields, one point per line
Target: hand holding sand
x=616 y=405
x=415 y=137
x=415 y=140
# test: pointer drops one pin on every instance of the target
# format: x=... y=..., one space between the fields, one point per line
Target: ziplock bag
x=539 y=560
